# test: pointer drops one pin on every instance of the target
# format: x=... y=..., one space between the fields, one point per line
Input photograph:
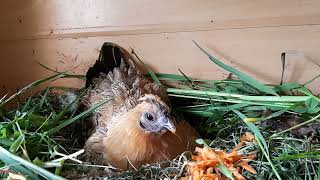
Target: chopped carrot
x=237 y=175
x=246 y=166
x=205 y=162
x=247 y=137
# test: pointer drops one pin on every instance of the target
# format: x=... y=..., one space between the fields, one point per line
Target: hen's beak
x=170 y=126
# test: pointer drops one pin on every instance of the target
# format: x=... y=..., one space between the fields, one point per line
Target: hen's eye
x=149 y=117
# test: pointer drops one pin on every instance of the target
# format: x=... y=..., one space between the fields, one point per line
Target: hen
x=136 y=126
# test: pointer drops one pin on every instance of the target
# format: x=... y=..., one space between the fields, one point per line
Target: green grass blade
x=230 y=107
x=26 y=105
x=43 y=98
x=198 y=113
x=68 y=107
x=14 y=165
x=225 y=171
x=315 y=154
x=172 y=77
x=254 y=129
x=268 y=158
x=67 y=75
x=59 y=169
x=318 y=174
x=248 y=79
x=6 y=142
x=36 y=84
x=262 y=108
x=30 y=86
x=261 y=141
x=267 y=104
x=24 y=166
x=150 y=72
x=308 y=93
x=239 y=96
x=79 y=116
x=16 y=144
x=286 y=87
x=275 y=114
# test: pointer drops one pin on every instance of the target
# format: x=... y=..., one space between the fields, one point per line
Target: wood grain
x=250 y=35
x=78 y=18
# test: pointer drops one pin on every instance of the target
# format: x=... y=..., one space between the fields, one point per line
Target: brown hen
x=136 y=126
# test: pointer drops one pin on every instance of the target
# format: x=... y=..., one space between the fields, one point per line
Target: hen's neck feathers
x=138 y=145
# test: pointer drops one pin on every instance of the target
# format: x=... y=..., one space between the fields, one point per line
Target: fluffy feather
x=118 y=138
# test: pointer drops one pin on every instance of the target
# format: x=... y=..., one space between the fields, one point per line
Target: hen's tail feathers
x=110 y=57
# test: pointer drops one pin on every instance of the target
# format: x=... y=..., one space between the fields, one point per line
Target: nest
x=38 y=137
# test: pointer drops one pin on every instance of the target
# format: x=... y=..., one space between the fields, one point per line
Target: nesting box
x=272 y=41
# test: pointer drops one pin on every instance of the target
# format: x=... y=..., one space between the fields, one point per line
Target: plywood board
x=35 y=19
x=250 y=35
x=255 y=51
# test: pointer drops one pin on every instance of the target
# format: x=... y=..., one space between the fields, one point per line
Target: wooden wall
x=250 y=35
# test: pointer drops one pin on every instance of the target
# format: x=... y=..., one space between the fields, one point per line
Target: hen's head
x=155 y=115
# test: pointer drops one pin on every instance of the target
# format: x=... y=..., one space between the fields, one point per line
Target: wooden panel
x=254 y=50
x=35 y=19
x=250 y=35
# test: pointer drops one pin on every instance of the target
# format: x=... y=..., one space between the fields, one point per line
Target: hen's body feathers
x=119 y=137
